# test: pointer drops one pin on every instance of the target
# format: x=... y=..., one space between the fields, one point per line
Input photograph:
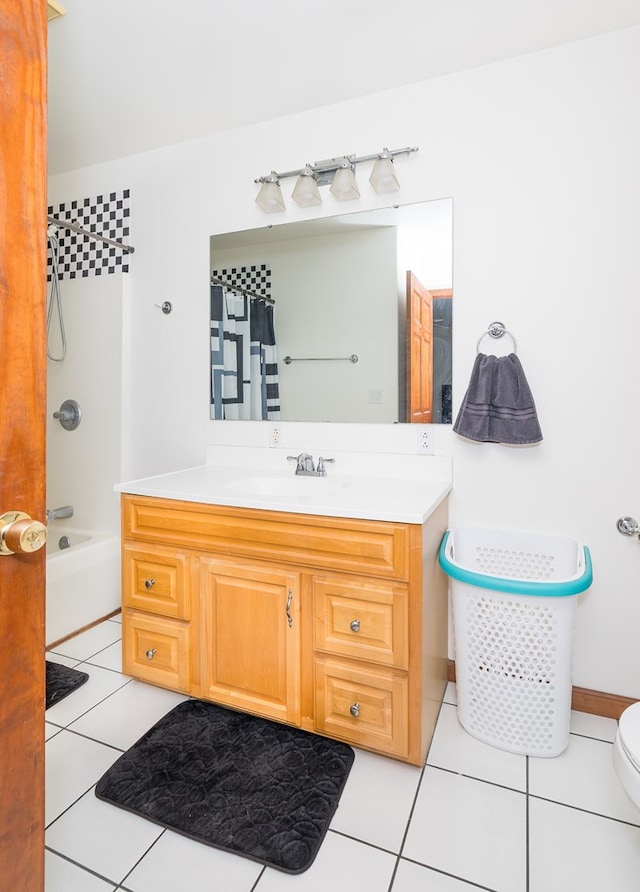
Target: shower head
x=52 y=231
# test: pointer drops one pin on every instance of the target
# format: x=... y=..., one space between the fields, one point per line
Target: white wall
x=540 y=155
x=82 y=464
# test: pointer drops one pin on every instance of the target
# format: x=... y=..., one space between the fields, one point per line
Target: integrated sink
x=285 y=487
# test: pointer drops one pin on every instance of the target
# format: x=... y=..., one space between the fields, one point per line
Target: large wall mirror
x=362 y=310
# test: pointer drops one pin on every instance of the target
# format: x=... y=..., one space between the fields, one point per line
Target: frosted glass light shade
x=383 y=176
x=345 y=185
x=269 y=197
x=305 y=191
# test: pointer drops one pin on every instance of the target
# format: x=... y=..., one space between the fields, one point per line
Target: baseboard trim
x=85 y=629
x=610 y=706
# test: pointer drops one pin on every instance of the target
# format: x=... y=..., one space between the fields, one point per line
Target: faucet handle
x=321 y=470
x=304 y=462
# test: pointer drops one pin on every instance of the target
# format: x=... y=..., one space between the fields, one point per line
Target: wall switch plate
x=424 y=441
x=274 y=436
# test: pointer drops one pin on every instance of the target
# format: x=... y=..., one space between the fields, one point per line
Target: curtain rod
x=128 y=249
x=216 y=281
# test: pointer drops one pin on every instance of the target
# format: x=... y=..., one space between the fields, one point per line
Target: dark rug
x=233 y=781
x=61 y=681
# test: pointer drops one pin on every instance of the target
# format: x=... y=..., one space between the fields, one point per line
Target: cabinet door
x=251 y=638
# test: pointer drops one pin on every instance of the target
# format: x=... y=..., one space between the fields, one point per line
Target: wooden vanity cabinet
x=331 y=624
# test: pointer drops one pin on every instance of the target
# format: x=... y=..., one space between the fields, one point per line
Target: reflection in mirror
x=361 y=308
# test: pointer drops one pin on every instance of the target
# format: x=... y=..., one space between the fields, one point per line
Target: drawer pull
x=354 y=625
x=150 y=654
x=355 y=710
x=149 y=583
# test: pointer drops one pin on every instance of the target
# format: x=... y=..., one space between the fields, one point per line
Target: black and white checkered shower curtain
x=244 y=364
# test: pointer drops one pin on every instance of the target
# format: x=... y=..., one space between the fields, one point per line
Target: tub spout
x=60 y=513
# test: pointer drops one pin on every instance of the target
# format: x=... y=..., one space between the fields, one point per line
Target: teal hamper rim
x=515 y=586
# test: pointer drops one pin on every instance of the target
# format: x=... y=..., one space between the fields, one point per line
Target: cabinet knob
x=149 y=583
x=355 y=710
x=354 y=625
x=151 y=654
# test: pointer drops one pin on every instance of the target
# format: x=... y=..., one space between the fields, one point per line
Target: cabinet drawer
x=364 y=619
x=156 y=650
x=155 y=580
x=372 y=547
x=367 y=708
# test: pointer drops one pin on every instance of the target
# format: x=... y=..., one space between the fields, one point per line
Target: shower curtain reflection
x=244 y=364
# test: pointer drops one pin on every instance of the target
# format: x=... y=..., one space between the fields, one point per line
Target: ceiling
x=127 y=76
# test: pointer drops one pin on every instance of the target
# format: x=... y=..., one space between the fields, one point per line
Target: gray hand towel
x=498 y=406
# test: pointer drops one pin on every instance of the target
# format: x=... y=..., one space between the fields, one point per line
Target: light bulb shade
x=305 y=191
x=383 y=176
x=269 y=198
x=344 y=185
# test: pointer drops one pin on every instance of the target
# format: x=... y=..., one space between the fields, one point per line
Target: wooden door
x=23 y=211
x=419 y=351
x=251 y=638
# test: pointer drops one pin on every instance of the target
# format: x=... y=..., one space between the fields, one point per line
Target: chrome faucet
x=305 y=466
x=60 y=513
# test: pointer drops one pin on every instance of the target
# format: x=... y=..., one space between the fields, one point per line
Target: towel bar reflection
x=496 y=330
x=289 y=359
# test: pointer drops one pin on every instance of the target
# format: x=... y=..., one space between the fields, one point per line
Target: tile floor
x=474 y=818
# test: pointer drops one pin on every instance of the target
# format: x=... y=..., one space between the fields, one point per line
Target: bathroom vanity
x=320 y=605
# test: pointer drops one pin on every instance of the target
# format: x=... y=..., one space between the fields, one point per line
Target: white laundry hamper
x=514 y=603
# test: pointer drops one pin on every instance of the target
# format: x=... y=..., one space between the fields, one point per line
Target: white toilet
x=626 y=752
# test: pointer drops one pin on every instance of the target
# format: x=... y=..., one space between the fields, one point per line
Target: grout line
x=81 y=866
x=144 y=855
x=586 y=811
x=527 y=829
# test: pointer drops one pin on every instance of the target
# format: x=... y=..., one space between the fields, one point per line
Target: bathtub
x=83 y=579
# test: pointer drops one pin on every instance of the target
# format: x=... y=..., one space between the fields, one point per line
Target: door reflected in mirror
x=362 y=315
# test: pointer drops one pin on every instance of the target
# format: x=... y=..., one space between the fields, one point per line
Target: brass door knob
x=20 y=534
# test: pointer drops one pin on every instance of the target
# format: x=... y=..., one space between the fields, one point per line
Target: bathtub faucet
x=60 y=513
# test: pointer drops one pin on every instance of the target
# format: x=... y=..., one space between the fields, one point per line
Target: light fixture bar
x=330 y=165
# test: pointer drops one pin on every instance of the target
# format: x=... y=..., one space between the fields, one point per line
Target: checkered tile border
x=79 y=256
x=252 y=278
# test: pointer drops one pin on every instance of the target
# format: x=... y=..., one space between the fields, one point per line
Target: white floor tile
x=50 y=730
x=570 y=849
x=177 y=863
x=596 y=726
x=342 y=865
x=450 y=693
x=459 y=824
x=376 y=802
x=109 y=658
x=70 y=662
x=100 y=836
x=100 y=684
x=125 y=716
x=456 y=750
x=88 y=643
x=73 y=765
x=412 y=877
x=582 y=776
x=61 y=876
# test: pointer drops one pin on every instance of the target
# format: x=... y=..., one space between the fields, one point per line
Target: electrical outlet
x=424 y=441
x=274 y=436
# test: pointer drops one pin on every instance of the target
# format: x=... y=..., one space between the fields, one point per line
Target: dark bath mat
x=233 y=781
x=61 y=681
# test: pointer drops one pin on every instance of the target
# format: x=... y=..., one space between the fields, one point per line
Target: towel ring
x=497 y=330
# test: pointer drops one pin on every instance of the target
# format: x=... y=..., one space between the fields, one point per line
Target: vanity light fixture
x=270 y=195
x=345 y=185
x=383 y=176
x=305 y=192
x=339 y=172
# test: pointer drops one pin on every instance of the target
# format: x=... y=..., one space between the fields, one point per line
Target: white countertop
x=405 y=489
